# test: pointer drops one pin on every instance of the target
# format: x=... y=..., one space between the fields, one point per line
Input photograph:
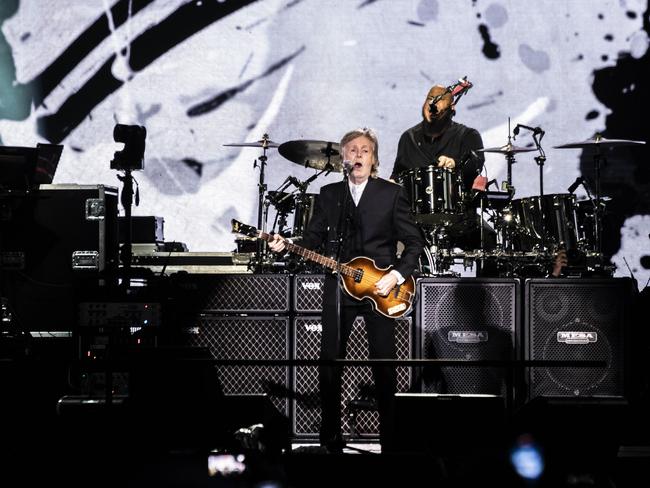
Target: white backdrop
x=303 y=69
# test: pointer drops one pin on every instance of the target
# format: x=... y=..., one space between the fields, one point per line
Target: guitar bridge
x=397 y=289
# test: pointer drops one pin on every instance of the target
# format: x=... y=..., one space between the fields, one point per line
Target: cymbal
x=507 y=149
x=599 y=140
x=260 y=143
x=313 y=154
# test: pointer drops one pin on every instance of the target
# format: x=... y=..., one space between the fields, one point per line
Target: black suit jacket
x=374 y=227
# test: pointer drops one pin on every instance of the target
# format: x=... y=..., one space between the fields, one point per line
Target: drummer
x=438 y=140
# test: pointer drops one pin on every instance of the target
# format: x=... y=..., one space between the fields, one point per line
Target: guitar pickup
x=358 y=275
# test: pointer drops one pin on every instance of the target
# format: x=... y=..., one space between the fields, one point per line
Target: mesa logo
x=467 y=336
x=311 y=285
x=577 y=337
x=314 y=327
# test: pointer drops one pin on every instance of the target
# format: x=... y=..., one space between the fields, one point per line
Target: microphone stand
x=540 y=162
x=342 y=227
x=342 y=230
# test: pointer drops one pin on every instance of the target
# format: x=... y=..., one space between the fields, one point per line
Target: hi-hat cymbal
x=313 y=154
x=506 y=149
x=599 y=140
x=260 y=143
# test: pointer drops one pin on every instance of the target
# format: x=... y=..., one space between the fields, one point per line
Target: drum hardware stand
x=598 y=140
x=538 y=135
x=437 y=264
x=599 y=159
x=261 y=188
x=282 y=203
x=280 y=217
x=265 y=143
x=510 y=160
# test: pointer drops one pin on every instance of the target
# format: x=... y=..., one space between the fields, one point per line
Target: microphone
x=347 y=166
x=457 y=90
x=579 y=180
x=534 y=130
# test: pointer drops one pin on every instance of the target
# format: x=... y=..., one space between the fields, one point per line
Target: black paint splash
x=366 y=3
x=490 y=50
x=82 y=46
x=183 y=23
x=194 y=165
x=626 y=176
x=221 y=98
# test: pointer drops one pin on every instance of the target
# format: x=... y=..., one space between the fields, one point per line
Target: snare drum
x=550 y=218
x=432 y=192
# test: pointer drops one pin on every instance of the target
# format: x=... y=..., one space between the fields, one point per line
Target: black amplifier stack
x=277 y=317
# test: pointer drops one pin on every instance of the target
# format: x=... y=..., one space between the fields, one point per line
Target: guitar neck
x=312 y=256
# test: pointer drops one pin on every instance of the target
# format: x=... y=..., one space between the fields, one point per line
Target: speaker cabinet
x=466 y=318
x=576 y=319
x=217 y=294
x=308 y=293
x=237 y=338
x=357 y=381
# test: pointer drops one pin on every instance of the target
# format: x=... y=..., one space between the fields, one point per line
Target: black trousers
x=380 y=331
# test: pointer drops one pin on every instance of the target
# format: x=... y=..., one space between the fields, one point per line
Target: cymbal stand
x=599 y=159
x=538 y=135
x=261 y=187
x=540 y=162
x=510 y=160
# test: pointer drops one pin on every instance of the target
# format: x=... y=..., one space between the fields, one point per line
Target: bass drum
x=305 y=206
x=435 y=194
x=550 y=219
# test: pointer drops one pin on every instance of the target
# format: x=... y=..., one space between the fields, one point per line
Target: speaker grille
x=308 y=293
x=264 y=293
x=470 y=319
x=233 y=338
x=307 y=415
x=576 y=320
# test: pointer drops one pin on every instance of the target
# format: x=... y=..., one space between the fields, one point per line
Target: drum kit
x=527 y=232
x=292 y=197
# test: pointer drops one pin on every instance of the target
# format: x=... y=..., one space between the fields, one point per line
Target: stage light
x=527 y=459
x=132 y=156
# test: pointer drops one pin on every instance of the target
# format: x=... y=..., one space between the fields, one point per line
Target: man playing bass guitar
x=362 y=215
